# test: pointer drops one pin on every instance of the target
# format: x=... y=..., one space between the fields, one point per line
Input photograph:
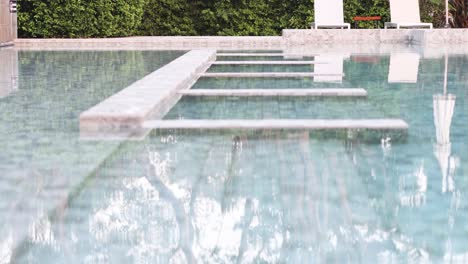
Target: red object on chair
x=363 y=18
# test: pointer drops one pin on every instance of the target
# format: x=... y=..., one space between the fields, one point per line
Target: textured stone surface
x=155 y=43
x=315 y=92
x=311 y=124
x=440 y=36
x=299 y=37
x=290 y=38
x=152 y=96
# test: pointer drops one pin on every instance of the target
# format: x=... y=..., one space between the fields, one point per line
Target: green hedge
x=117 y=18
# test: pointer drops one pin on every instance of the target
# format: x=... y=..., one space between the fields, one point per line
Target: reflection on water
x=42 y=159
x=278 y=197
x=283 y=197
x=8 y=71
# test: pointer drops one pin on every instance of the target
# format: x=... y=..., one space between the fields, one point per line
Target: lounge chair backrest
x=328 y=12
x=405 y=11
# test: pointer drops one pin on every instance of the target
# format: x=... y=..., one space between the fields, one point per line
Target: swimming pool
x=234 y=196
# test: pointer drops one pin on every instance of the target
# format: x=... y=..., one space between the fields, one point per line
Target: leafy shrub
x=113 y=18
x=79 y=18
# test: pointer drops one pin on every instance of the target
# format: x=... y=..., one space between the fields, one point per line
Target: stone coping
x=155 y=43
x=152 y=95
x=290 y=38
x=314 y=92
x=281 y=124
x=300 y=37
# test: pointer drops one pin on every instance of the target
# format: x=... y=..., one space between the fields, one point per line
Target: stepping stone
x=275 y=124
x=325 y=92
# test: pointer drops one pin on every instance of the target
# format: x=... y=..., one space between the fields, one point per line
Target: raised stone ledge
x=313 y=92
x=290 y=38
x=301 y=37
x=155 y=43
x=266 y=74
x=151 y=96
x=282 y=124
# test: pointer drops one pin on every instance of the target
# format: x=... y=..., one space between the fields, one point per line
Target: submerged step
x=275 y=124
x=266 y=74
x=325 y=92
x=266 y=62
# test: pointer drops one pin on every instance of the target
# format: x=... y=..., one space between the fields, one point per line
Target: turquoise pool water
x=276 y=108
x=267 y=83
x=42 y=159
x=280 y=57
x=233 y=196
x=256 y=68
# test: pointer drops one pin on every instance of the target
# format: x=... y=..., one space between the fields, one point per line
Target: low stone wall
x=155 y=43
x=439 y=37
x=300 y=37
x=290 y=38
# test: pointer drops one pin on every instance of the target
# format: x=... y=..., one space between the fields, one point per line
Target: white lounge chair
x=404 y=68
x=405 y=14
x=329 y=14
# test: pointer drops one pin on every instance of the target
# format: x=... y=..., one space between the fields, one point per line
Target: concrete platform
x=153 y=96
x=265 y=74
x=315 y=92
x=281 y=124
x=266 y=62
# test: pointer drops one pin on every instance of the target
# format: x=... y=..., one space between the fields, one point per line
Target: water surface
x=245 y=196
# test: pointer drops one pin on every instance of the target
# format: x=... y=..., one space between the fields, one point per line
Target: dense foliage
x=113 y=18
x=79 y=18
x=459 y=13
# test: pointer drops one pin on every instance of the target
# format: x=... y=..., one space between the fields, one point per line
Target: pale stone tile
x=308 y=124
